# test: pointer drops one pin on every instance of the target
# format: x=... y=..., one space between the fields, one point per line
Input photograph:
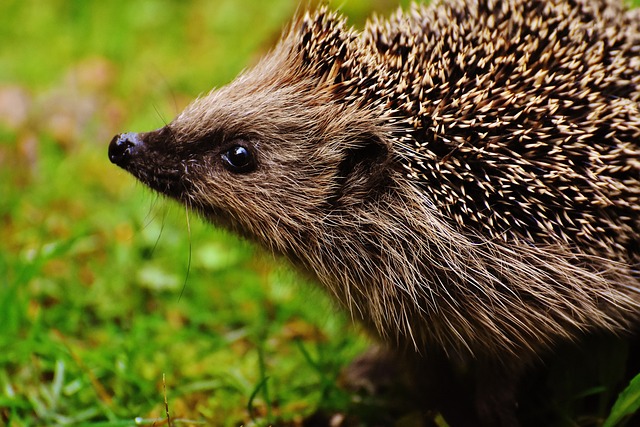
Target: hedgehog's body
x=462 y=177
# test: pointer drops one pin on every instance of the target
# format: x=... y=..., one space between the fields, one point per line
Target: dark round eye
x=238 y=159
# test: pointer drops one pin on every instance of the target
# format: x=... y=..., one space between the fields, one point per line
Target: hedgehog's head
x=268 y=155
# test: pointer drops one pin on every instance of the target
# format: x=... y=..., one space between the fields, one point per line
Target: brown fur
x=463 y=178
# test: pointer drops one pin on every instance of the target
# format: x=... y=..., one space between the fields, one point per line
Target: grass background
x=104 y=289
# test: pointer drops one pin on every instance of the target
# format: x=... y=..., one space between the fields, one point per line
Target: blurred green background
x=103 y=288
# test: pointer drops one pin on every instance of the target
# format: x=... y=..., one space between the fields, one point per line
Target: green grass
x=104 y=287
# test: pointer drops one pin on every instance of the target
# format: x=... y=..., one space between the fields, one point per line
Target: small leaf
x=628 y=403
x=254 y=394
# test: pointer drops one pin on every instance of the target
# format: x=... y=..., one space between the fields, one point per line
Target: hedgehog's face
x=267 y=163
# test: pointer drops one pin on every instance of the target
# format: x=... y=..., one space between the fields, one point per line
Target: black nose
x=122 y=147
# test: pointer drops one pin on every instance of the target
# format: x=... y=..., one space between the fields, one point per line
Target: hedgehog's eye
x=238 y=159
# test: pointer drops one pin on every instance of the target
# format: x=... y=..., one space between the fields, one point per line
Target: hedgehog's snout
x=122 y=148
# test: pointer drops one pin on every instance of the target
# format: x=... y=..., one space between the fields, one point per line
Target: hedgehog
x=463 y=177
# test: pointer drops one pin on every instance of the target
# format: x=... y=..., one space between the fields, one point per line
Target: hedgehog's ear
x=365 y=164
